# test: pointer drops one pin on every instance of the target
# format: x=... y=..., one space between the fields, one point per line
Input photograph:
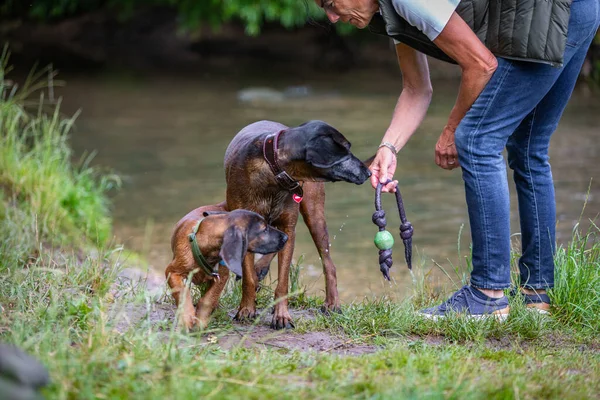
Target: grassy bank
x=63 y=310
x=102 y=336
x=50 y=199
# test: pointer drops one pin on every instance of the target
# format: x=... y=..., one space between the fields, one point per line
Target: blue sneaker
x=467 y=301
x=539 y=302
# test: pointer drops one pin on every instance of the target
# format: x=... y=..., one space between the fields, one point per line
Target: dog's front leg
x=247 y=310
x=312 y=209
x=281 y=315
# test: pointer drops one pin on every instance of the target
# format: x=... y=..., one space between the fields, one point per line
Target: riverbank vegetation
x=64 y=300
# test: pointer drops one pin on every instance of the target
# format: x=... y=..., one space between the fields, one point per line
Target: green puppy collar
x=200 y=260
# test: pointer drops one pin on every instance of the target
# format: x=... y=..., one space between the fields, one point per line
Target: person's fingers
x=374 y=180
x=390 y=187
x=446 y=156
x=387 y=169
x=391 y=170
x=375 y=172
x=446 y=161
x=453 y=162
x=382 y=170
x=374 y=175
x=452 y=158
x=383 y=175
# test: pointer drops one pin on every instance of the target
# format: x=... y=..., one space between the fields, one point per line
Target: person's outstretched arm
x=408 y=114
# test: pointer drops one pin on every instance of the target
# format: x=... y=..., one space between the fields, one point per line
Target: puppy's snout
x=284 y=239
x=272 y=240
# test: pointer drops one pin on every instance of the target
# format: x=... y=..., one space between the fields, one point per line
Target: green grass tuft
x=42 y=195
x=576 y=296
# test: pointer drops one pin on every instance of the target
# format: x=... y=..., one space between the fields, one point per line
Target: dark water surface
x=166 y=137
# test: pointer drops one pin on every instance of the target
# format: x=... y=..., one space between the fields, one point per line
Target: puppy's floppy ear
x=234 y=249
x=323 y=152
x=207 y=213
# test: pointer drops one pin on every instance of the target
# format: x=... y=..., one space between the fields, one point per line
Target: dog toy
x=384 y=240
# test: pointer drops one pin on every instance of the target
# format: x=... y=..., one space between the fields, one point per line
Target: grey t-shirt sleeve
x=429 y=16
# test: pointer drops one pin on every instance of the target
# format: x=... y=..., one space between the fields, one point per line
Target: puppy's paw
x=282 y=319
x=262 y=273
x=245 y=314
x=189 y=322
x=201 y=324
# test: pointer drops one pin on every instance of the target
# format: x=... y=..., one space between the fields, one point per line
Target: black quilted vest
x=539 y=34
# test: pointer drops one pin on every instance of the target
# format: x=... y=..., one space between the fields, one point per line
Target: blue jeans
x=519 y=109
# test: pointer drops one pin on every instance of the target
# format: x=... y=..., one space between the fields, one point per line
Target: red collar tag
x=297 y=198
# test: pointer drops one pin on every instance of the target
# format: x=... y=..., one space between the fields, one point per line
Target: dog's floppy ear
x=234 y=249
x=323 y=152
x=207 y=213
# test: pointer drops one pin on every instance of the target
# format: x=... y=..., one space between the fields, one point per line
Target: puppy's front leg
x=281 y=315
x=210 y=300
x=176 y=282
x=247 y=310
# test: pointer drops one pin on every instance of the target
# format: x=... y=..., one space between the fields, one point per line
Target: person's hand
x=445 y=151
x=383 y=168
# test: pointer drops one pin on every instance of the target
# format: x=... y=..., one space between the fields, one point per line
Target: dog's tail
x=369 y=161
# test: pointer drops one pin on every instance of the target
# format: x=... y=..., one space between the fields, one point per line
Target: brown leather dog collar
x=283 y=178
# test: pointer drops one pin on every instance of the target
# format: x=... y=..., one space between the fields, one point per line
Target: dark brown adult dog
x=312 y=153
x=222 y=235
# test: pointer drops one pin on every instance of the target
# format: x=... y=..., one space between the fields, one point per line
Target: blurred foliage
x=195 y=13
x=192 y=13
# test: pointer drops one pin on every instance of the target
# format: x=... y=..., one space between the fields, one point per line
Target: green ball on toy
x=384 y=240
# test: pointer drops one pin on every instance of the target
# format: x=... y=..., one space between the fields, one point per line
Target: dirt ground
x=259 y=335
x=157 y=311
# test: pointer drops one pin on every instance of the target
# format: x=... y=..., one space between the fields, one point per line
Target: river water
x=166 y=137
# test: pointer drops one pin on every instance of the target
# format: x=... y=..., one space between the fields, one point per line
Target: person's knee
x=512 y=155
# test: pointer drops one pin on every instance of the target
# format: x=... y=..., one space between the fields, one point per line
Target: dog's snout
x=363 y=174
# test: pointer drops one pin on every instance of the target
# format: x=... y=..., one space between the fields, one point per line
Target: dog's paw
x=282 y=319
x=245 y=314
x=331 y=309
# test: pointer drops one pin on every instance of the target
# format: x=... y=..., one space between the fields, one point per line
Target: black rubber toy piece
x=406 y=231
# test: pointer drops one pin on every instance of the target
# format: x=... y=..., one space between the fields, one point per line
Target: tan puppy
x=223 y=238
